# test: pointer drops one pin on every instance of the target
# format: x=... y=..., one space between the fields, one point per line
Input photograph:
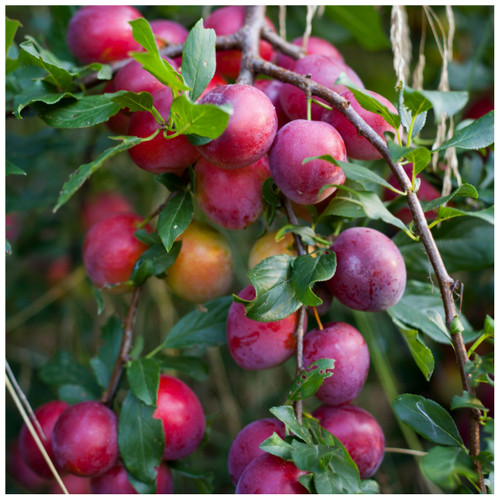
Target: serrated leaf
x=445 y=466
x=58 y=75
x=414 y=308
x=205 y=120
x=140 y=439
x=149 y=238
x=40 y=92
x=410 y=120
x=154 y=261
x=198 y=59
x=151 y=60
x=287 y=415
x=463 y=190
x=466 y=400
x=11 y=27
x=88 y=111
x=133 y=101
x=445 y=213
x=104 y=362
x=175 y=217
x=427 y=418
x=63 y=369
x=421 y=353
x=275 y=445
x=479 y=134
x=343 y=207
x=275 y=296
x=171 y=181
x=447 y=102
x=309 y=380
x=79 y=176
x=143 y=376
x=193 y=366
x=308 y=270
x=205 y=326
x=11 y=169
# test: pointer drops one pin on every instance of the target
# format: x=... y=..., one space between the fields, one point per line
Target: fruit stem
x=318 y=320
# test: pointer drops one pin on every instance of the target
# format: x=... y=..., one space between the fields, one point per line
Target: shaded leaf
x=144 y=377
x=205 y=326
x=287 y=415
x=154 y=261
x=466 y=400
x=448 y=102
x=307 y=382
x=140 y=440
x=420 y=157
x=174 y=218
x=463 y=190
x=275 y=445
x=427 y=418
x=11 y=169
x=133 y=101
x=11 y=27
x=79 y=176
x=75 y=393
x=193 y=366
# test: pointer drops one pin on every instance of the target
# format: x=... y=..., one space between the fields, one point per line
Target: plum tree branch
x=108 y=394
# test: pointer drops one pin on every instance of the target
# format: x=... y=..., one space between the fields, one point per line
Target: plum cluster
x=81 y=440
x=273 y=128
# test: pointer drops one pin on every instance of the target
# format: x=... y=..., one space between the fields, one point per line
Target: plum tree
x=357 y=146
x=115 y=481
x=111 y=249
x=246 y=445
x=84 y=439
x=347 y=347
x=269 y=474
x=203 y=269
x=303 y=182
x=255 y=345
x=251 y=128
x=160 y=155
x=371 y=273
x=324 y=70
x=102 y=33
x=358 y=431
x=227 y=21
x=232 y=198
x=182 y=417
x=47 y=416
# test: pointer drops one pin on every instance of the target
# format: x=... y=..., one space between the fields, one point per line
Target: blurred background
x=49 y=301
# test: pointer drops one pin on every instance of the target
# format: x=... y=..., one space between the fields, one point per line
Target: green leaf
x=151 y=60
x=171 y=181
x=198 y=59
x=449 y=102
x=308 y=270
x=11 y=169
x=420 y=157
x=277 y=446
x=58 y=75
x=88 y=111
x=343 y=207
x=205 y=326
x=275 y=296
x=75 y=393
x=354 y=171
x=11 y=27
x=154 y=261
x=418 y=302
x=487 y=214
x=309 y=380
x=133 y=101
x=204 y=481
x=99 y=300
x=421 y=353
x=287 y=415
x=479 y=134
x=364 y=23
x=104 y=362
x=78 y=178
x=140 y=439
x=144 y=377
x=445 y=466
x=39 y=92
x=427 y=418
x=193 y=366
x=62 y=370
x=205 y=120
x=368 y=102
x=466 y=400
x=410 y=118
x=463 y=190
x=174 y=218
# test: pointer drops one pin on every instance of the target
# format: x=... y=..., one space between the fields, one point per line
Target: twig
x=107 y=396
